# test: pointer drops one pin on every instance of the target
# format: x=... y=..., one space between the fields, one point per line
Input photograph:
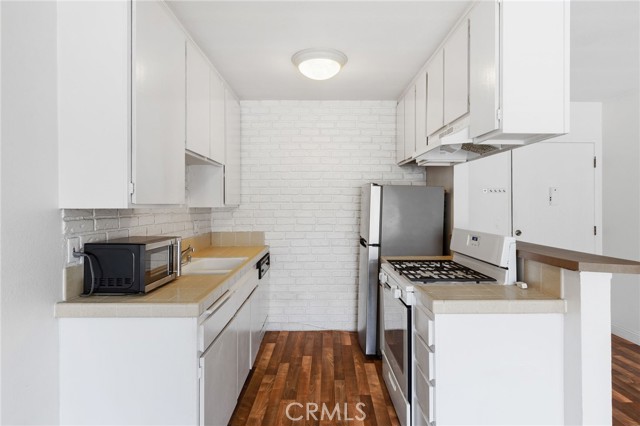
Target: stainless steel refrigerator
x=395 y=220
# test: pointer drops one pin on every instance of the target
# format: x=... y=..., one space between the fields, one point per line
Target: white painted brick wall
x=103 y=225
x=303 y=163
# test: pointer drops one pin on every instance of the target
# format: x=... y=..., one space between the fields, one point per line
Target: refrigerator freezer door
x=368 y=299
x=412 y=221
x=370 y=213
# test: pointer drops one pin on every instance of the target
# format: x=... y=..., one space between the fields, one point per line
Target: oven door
x=396 y=324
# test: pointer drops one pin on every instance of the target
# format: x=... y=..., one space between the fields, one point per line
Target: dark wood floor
x=626 y=382
x=328 y=367
x=294 y=369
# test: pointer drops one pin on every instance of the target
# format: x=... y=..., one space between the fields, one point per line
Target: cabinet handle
x=216 y=307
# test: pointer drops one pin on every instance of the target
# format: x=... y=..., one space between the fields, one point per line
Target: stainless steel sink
x=212 y=265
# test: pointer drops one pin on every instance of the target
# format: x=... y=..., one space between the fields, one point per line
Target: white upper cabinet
x=232 y=160
x=410 y=123
x=421 y=113
x=159 y=106
x=400 y=131
x=435 y=93
x=456 y=71
x=197 y=101
x=121 y=110
x=217 y=119
x=519 y=83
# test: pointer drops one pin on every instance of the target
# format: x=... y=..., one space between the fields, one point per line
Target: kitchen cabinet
x=181 y=370
x=258 y=317
x=421 y=113
x=400 y=117
x=519 y=71
x=410 y=123
x=456 y=70
x=118 y=146
x=517 y=358
x=217 y=119
x=435 y=93
x=198 y=114
x=232 y=177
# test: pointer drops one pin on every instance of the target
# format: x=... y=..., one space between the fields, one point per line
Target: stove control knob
x=396 y=292
x=383 y=278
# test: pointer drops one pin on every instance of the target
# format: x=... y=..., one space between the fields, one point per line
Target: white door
x=158 y=170
x=243 y=325
x=232 y=176
x=435 y=93
x=410 y=123
x=218 y=381
x=197 y=101
x=456 y=69
x=554 y=195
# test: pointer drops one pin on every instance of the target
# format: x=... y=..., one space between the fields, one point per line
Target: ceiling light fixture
x=319 y=64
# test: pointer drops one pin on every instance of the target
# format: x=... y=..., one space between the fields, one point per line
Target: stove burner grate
x=430 y=271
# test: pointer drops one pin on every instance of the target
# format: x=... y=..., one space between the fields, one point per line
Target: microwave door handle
x=133 y=268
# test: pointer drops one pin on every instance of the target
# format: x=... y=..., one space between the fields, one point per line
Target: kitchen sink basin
x=212 y=265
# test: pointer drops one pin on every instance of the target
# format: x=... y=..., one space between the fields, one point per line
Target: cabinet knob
x=518 y=232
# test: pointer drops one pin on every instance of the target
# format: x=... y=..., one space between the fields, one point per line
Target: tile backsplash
x=103 y=225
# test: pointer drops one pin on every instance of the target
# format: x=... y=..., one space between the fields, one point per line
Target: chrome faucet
x=186 y=252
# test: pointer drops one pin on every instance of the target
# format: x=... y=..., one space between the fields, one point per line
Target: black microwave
x=130 y=265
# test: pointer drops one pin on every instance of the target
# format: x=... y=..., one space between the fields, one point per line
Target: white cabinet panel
x=435 y=93
x=400 y=131
x=484 y=51
x=243 y=326
x=159 y=106
x=197 y=101
x=258 y=317
x=217 y=119
x=232 y=176
x=410 y=123
x=456 y=69
x=218 y=384
x=421 y=113
x=554 y=195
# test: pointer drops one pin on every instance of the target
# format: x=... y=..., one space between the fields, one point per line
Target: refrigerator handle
x=363 y=242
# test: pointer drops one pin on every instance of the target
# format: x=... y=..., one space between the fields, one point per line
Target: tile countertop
x=187 y=296
x=482 y=298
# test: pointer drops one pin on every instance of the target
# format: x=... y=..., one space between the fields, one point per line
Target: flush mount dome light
x=319 y=64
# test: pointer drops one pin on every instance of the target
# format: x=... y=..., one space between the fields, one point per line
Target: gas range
x=432 y=271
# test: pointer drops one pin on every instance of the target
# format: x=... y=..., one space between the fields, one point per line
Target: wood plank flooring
x=318 y=378
x=329 y=367
x=626 y=382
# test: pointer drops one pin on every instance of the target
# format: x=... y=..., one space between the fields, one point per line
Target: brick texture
x=303 y=163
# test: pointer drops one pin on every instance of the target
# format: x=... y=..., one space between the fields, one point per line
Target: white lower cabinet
x=147 y=371
x=487 y=369
x=218 y=388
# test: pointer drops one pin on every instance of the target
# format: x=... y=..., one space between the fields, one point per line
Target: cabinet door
x=421 y=113
x=197 y=101
x=410 y=123
x=218 y=381
x=258 y=319
x=217 y=120
x=232 y=161
x=435 y=93
x=243 y=325
x=400 y=131
x=483 y=68
x=158 y=170
x=456 y=69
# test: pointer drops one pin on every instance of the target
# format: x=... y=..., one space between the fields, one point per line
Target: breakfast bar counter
x=186 y=296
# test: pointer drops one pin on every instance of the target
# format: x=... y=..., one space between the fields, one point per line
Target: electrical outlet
x=73 y=243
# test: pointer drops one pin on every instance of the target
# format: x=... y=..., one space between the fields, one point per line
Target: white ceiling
x=387 y=42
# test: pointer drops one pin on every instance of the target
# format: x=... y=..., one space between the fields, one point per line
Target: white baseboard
x=630 y=335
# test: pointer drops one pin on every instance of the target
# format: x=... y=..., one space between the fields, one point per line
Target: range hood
x=452 y=145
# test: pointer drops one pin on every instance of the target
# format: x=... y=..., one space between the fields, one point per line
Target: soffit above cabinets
x=251 y=43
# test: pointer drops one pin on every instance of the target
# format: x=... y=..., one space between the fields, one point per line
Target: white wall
x=621 y=213
x=30 y=220
x=303 y=163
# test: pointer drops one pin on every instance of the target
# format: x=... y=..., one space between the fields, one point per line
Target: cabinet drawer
x=425 y=359
x=419 y=418
x=424 y=394
x=423 y=324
